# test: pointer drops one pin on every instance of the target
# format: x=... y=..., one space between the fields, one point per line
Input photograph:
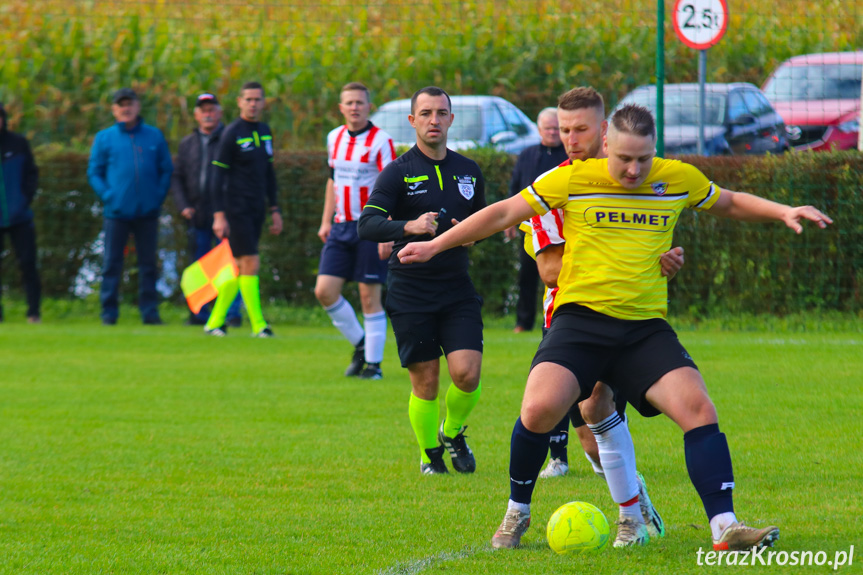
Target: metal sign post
x=700 y=24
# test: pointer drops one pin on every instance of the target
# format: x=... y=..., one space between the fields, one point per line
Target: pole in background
x=702 y=79
x=660 y=78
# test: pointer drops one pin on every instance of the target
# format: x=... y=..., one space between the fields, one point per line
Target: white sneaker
x=555 y=468
x=631 y=532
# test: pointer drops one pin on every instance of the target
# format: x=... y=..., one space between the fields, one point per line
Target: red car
x=818 y=96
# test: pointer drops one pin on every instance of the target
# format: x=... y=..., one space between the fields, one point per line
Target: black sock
x=709 y=464
x=526 y=456
x=559 y=440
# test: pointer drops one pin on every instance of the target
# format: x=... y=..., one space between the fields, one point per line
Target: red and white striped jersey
x=547 y=230
x=356 y=162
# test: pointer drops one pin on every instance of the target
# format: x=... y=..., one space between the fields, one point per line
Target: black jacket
x=19 y=178
x=186 y=179
x=532 y=162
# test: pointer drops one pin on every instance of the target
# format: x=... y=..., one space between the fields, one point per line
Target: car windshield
x=815 y=82
x=467 y=124
x=681 y=108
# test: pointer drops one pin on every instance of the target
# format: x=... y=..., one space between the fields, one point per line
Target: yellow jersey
x=615 y=236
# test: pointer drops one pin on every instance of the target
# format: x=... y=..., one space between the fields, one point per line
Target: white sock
x=345 y=319
x=632 y=512
x=523 y=507
x=376 y=336
x=718 y=523
x=597 y=468
x=617 y=456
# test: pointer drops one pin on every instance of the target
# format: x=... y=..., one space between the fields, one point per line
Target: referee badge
x=659 y=188
x=465 y=186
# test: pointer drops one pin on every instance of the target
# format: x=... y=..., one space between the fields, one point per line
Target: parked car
x=738 y=119
x=819 y=97
x=477 y=121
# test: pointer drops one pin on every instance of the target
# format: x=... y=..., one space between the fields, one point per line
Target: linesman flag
x=203 y=279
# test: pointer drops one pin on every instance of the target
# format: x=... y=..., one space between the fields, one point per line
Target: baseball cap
x=206 y=98
x=124 y=94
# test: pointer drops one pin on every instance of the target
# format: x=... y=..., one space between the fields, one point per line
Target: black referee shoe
x=437 y=466
x=463 y=460
x=358 y=361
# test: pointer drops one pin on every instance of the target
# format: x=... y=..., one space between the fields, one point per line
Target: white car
x=478 y=121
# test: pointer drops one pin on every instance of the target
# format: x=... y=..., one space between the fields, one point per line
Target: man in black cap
x=130 y=170
x=192 y=173
x=18 y=182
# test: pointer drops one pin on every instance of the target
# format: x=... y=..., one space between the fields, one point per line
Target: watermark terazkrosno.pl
x=767 y=556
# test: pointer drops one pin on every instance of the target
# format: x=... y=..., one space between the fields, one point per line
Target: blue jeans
x=204 y=240
x=146 y=232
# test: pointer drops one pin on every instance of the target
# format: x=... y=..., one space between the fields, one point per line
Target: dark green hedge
x=730 y=266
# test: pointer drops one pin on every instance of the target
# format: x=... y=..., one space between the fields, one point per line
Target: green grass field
x=152 y=450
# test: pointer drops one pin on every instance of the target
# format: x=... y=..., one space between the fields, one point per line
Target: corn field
x=62 y=59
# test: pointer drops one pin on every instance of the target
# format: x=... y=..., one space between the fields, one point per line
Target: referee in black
x=433 y=307
x=242 y=191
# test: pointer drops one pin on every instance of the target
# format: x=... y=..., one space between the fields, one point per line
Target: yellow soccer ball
x=577 y=527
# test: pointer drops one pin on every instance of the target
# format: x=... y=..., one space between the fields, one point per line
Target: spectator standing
x=19 y=179
x=531 y=163
x=192 y=171
x=130 y=170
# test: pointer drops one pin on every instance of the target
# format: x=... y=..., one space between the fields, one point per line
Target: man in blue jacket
x=130 y=170
x=18 y=182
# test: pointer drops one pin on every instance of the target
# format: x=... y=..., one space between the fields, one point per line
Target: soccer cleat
x=631 y=533
x=154 y=320
x=358 y=360
x=739 y=537
x=511 y=530
x=265 y=333
x=372 y=371
x=436 y=466
x=555 y=468
x=217 y=331
x=655 y=524
x=462 y=457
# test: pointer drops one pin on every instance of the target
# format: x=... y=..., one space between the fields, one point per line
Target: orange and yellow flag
x=202 y=280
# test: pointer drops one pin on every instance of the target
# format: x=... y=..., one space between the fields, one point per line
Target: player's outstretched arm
x=482 y=224
x=749 y=208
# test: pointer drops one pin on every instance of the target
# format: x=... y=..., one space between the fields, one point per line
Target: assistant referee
x=242 y=191
x=433 y=307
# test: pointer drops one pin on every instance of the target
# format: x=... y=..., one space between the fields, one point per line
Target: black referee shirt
x=246 y=181
x=412 y=185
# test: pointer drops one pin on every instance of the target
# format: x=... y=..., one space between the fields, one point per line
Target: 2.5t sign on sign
x=700 y=24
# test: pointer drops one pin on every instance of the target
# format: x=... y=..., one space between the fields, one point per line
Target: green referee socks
x=250 y=287
x=423 y=414
x=458 y=406
x=223 y=301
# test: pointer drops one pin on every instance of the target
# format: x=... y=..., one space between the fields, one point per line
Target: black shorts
x=628 y=355
x=245 y=232
x=346 y=256
x=426 y=335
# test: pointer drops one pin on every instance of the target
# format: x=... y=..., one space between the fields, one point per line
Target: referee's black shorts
x=245 y=231
x=628 y=355
x=428 y=325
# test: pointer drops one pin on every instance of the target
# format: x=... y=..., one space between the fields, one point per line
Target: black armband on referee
x=275 y=210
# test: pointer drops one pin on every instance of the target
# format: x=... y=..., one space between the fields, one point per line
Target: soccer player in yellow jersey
x=609 y=322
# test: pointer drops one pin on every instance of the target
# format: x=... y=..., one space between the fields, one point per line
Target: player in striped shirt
x=609 y=321
x=357 y=152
